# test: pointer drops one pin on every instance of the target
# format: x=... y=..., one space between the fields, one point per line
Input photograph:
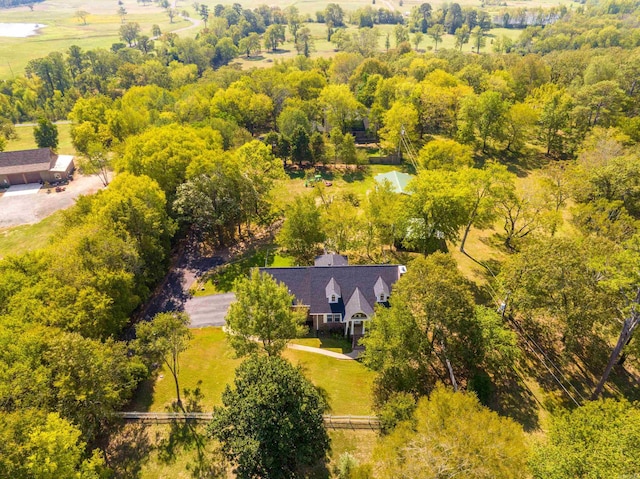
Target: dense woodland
x=538 y=140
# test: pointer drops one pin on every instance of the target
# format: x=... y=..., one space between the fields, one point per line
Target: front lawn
x=211 y=360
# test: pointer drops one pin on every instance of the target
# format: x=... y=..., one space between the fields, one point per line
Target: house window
x=333 y=298
x=333 y=318
x=381 y=299
x=57 y=176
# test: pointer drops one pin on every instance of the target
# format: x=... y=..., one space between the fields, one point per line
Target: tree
x=300 y=145
x=203 y=11
x=340 y=105
x=334 y=15
x=46 y=134
x=554 y=106
x=436 y=33
x=293 y=19
x=401 y=34
x=171 y=13
x=444 y=337
x=400 y=124
x=302 y=232
x=250 y=44
x=452 y=435
x=520 y=121
x=567 y=280
x=263 y=313
x=445 y=154
x=122 y=13
x=292 y=118
x=273 y=36
x=479 y=41
x=163 y=339
x=592 y=441
x=97 y=162
x=462 y=35
x=418 y=38
x=484 y=116
x=304 y=41
x=485 y=189
x=271 y=423
x=129 y=33
x=82 y=15
x=44 y=446
x=436 y=210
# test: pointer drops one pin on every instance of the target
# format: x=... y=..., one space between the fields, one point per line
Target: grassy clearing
x=20 y=239
x=26 y=141
x=211 y=360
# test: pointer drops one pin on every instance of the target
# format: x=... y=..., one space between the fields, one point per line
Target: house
x=339 y=296
x=34 y=166
x=398 y=180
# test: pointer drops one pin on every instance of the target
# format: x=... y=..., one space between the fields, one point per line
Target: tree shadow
x=143 y=397
x=352 y=176
x=187 y=435
x=513 y=398
x=128 y=450
x=254 y=58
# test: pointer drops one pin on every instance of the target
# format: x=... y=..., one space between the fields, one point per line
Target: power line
x=542 y=356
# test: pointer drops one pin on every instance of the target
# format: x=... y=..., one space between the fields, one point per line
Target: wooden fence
x=331 y=422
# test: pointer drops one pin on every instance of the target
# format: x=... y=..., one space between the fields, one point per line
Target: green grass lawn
x=20 y=239
x=26 y=141
x=211 y=360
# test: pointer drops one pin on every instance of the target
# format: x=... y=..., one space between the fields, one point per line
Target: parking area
x=28 y=206
x=209 y=310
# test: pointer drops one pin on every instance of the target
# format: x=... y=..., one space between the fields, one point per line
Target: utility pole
x=628 y=327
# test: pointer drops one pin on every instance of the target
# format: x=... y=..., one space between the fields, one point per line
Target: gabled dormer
x=332 y=291
x=381 y=290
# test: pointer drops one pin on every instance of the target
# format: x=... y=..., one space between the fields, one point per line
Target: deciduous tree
x=263 y=314
x=271 y=422
x=163 y=339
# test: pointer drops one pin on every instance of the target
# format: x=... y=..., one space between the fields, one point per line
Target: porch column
x=363 y=322
x=352 y=323
x=346 y=327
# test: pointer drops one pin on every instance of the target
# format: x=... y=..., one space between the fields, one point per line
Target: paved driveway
x=19 y=210
x=208 y=310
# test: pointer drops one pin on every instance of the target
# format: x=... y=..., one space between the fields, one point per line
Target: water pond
x=19 y=30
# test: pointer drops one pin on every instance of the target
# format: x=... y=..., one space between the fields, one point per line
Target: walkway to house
x=325 y=352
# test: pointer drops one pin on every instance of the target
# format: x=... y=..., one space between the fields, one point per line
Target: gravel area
x=19 y=210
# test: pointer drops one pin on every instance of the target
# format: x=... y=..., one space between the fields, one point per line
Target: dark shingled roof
x=331 y=260
x=308 y=284
x=26 y=161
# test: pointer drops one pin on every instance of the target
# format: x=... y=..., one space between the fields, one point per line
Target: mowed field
x=64 y=28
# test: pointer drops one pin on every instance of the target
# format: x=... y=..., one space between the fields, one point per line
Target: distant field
x=64 y=29
x=25 y=140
